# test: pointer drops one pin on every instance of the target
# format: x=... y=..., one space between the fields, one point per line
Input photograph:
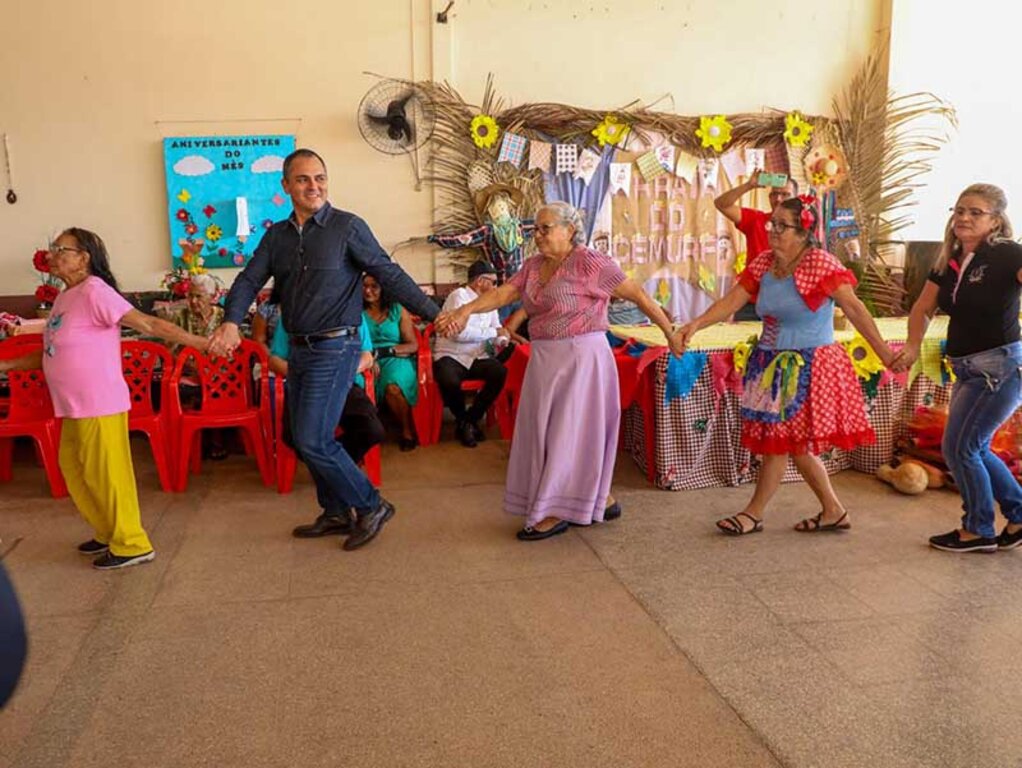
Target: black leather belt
x=333 y=333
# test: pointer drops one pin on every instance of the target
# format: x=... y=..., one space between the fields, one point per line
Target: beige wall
x=88 y=90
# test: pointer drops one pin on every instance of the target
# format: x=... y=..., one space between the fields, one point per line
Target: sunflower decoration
x=611 y=131
x=796 y=130
x=714 y=132
x=484 y=131
x=741 y=353
x=865 y=361
x=213 y=233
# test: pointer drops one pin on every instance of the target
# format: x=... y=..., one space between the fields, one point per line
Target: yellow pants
x=95 y=457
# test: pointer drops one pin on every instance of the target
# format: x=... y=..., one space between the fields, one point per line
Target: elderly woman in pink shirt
x=562 y=457
x=81 y=358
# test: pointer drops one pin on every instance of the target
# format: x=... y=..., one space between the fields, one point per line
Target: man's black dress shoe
x=325 y=525
x=466 y=433
x=368 y=524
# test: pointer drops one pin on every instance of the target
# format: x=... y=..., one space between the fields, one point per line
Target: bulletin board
x=223 y=192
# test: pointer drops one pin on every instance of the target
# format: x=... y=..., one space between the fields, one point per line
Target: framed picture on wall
x=223 y=192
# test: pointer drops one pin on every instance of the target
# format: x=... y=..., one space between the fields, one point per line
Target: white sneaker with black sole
x=110 y=561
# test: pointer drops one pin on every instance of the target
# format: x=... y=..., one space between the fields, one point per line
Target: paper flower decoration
x=46 y=294
x=484 y=131
x=741 y=354
x=796 y=130
x=611 y=131
x=865 y=361
x=714 y=131
x=213 y=233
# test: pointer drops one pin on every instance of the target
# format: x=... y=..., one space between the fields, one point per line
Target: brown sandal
x=732 y=526
x=813 y=524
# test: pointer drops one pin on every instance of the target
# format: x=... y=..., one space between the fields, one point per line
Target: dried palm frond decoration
x=887 y=154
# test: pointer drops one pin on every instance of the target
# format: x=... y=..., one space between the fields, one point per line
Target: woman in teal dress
x=390 y=327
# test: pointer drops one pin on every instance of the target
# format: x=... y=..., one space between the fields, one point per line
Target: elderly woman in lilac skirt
x=565 y=444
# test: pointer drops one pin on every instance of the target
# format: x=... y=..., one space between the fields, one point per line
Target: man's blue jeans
x=318 y=379
x=987 y=391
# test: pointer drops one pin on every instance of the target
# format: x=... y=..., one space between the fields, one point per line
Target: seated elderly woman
x=200 y=316
x=393 y=337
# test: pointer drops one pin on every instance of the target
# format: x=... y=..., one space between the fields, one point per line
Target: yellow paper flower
x=740 y=263
x=714 y=132
x=213 y=233
x=796 y=129
x=184 y=195
x=484 y=131
x=611 y=131
x=741 y=355
x=865 y=361
x=948 y=370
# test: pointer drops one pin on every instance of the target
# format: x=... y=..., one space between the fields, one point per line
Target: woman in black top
x=976 y=281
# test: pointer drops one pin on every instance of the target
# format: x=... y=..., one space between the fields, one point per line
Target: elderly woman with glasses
x=801 y=396
x=81 y=358
x=976 y=281
x=562 y=457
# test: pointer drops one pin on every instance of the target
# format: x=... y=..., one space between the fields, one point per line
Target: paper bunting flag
x=588 y=162
x=665 y=155
x=539 y=155
x=686 y=166
x=567 y=158
x=650 y=166
x=682 y=373
x=620 y=178
x=512 y=149
x=733 y=164
x=709 y=169
x=755 y=157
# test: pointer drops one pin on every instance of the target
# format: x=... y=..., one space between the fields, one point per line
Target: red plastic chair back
x=140 y=361
x=226 y=382
x=29 y=396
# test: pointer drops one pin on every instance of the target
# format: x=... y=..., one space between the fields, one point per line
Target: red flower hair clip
x=807 y=217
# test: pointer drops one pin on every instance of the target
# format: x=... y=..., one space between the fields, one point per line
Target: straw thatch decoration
x=887 y=155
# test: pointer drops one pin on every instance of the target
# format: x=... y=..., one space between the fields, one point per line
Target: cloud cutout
x=193 y=165
x=268 y=164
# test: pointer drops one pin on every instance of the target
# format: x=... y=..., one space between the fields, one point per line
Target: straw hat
x=826 y=167
x=483 y=196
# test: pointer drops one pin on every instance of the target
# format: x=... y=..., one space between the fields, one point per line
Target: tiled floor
x=646 y=642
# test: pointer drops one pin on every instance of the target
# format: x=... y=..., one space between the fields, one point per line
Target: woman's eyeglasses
x=779 y=226
x=972 y=213
x=56 y=250
x=545 y=229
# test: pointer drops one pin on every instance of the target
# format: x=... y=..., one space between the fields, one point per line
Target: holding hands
x=452 y=323
x=224 y=340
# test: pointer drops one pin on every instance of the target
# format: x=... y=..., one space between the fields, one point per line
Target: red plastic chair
x=429 y=397
x=287 y=460
x=141 y=362
x=423 y=410
x=229 y=399
x=29 y=413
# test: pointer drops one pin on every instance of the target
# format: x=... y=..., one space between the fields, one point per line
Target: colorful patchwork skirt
x=803 y=401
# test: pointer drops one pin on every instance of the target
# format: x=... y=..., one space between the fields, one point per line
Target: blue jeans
x=987 y=392
x=318 y=379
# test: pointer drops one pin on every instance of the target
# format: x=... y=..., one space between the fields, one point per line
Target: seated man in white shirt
x=469 y=356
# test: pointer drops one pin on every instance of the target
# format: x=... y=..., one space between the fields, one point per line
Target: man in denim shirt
x=316 y=258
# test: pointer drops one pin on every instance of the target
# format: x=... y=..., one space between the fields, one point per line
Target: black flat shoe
x=466 y=434
x=324 y=525
x=953 y=542
x=1009 y=540
x=528 y=533
x=611 y=513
